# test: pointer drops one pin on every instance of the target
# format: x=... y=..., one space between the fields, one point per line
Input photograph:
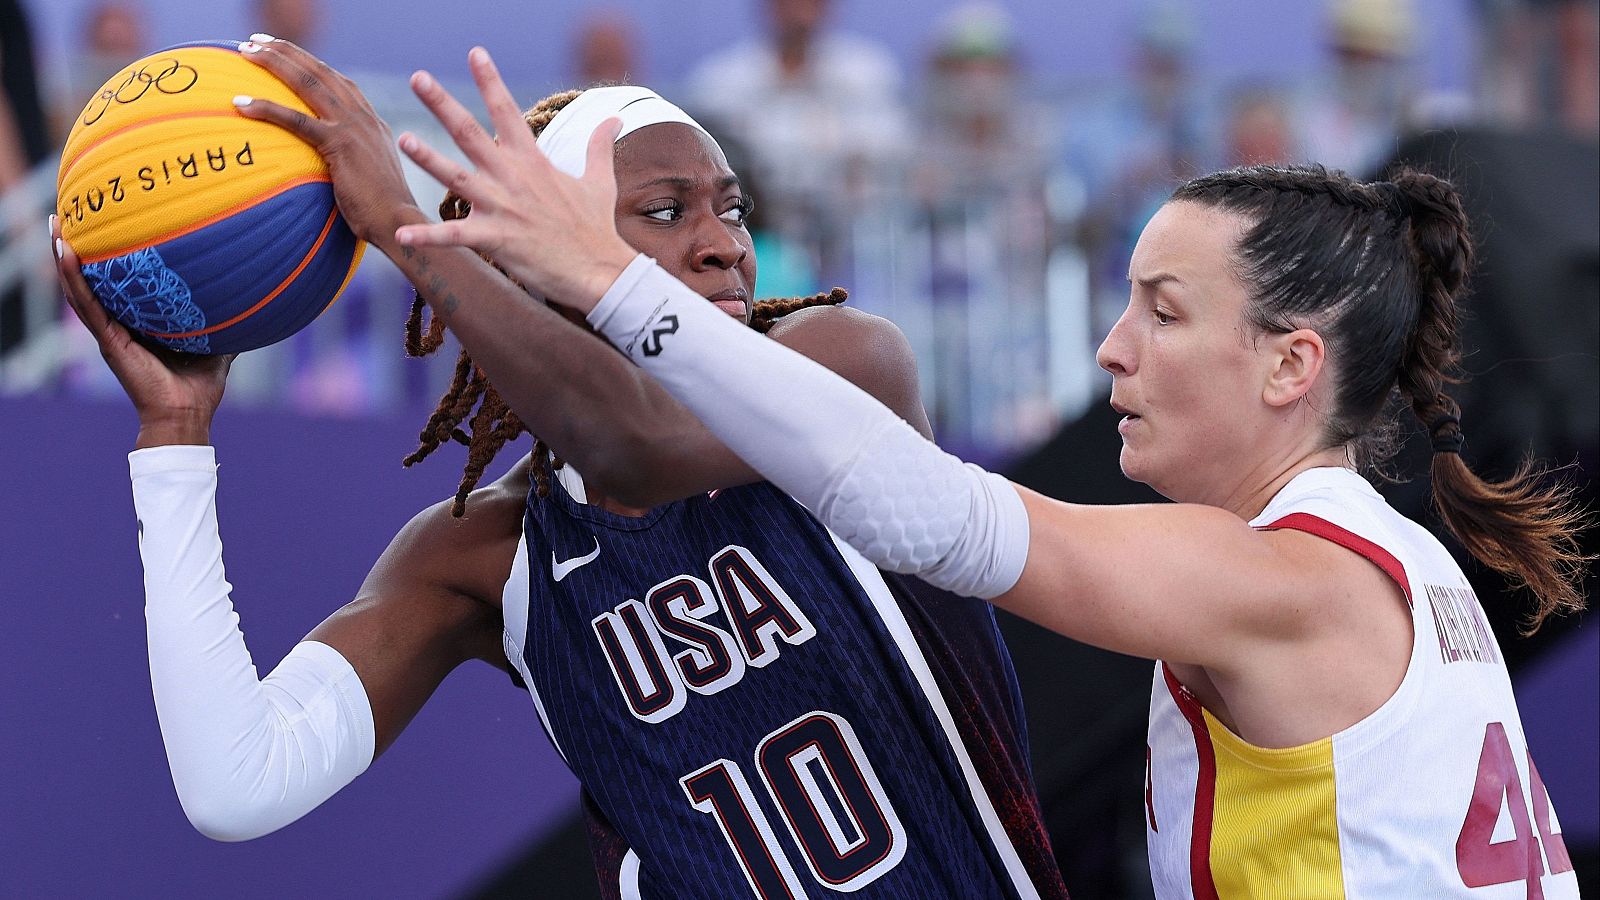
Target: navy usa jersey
x=754 y=710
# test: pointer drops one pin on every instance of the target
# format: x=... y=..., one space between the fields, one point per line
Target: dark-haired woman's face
x=678 y=201
x=1185 y=369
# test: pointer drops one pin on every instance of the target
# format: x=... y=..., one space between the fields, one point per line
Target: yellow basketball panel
x=161 y=149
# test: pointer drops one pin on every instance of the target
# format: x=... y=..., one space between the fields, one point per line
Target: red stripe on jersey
x=1205 y=789
x=1349 y=540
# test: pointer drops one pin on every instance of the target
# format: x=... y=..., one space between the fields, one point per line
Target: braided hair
x=1380 y=271
x=494 y=423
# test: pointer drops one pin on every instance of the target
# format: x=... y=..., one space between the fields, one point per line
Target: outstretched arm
x=630 y=438
x=1109 y=576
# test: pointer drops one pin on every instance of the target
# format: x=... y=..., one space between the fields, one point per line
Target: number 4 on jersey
x=1481 y=861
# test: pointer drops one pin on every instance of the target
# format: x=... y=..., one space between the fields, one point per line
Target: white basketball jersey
x=1432 y=795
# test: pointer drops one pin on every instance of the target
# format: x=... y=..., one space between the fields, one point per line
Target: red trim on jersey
x=1349 y=540
x=1205 y=789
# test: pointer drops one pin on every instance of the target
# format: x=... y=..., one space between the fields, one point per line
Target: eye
x=664 y=212
x=740 y=213
x=1163 y=318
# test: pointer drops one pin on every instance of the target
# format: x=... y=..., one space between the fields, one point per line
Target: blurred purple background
x=87 y=808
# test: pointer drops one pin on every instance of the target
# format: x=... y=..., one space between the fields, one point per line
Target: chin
x=1140 y=470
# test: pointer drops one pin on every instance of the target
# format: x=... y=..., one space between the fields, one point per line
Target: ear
x=1297 y=360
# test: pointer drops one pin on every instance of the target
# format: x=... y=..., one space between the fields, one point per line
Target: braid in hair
x=494 y=424
x=1526 y=526
x=766 y=312
x=1379 y=270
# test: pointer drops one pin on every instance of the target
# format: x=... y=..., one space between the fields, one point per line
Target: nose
x=1116 y=351
x=715 y=245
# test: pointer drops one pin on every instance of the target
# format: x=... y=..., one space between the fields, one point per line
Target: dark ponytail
x=1380 y=270
x=1524 y=527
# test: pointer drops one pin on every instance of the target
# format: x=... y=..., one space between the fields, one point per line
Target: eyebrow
x=1156 y=280
x=682 y=183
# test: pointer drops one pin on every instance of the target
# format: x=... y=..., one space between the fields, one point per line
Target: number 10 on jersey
x=818 y=776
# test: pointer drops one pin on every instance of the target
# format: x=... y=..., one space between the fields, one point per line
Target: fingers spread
x=509 y=125
x=457 y=120
x=446 y=171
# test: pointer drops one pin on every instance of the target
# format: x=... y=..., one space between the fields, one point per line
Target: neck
x=1254 y=493
x=596 y=498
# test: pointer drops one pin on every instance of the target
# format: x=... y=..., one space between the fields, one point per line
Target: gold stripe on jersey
x=1275 y=824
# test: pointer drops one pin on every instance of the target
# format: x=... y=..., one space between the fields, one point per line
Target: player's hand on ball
x=554 y=233
x=354 y=142
x=175 y=394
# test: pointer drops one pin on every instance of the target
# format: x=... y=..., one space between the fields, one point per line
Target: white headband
x=566 y=139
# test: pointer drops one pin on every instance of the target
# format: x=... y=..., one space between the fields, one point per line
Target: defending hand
x=554 y=233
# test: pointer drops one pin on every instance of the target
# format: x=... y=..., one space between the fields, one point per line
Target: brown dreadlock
x=494 y=423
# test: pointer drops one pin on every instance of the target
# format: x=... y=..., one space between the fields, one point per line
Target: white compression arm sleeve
x=248 y=756
x=905 y=504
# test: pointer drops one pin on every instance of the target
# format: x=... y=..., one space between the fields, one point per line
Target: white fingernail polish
x=59 y=250
x=249 y=47
x=243 y=100
x=262 y=38
x=51 y=221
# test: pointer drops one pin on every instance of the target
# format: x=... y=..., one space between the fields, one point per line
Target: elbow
x=225 y=817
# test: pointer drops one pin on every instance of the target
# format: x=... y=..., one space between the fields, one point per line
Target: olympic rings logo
x=173 y=77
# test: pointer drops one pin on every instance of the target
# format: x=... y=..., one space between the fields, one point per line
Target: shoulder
x=470 y=554
x=869 y=351
x=835 y=322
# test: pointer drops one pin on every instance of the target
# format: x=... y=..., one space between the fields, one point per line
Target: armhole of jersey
x=1322 y=528
x=514 y=612
x=628 y=877
x=1394 y=711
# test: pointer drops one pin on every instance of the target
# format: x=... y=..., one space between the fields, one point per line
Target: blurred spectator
x=25 y=138
x=1540 y=64
x=1259 y=131
x=1351 y=120
x=1136 y=145
x=979 y=136
x=293 y=20
x=25 y=142
x=605 y=50
x=114 y=35
x=819 y=111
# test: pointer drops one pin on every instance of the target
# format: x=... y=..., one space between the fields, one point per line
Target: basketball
x=198 y=228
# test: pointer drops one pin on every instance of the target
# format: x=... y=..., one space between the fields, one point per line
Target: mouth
x=1128 y=417
x=734 y=301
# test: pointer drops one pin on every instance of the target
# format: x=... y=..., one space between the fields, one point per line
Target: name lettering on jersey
x=758 y=618
x=1458 y=621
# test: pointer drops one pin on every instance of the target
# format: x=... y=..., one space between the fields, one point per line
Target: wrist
x=598 y=277
x=188 y=427
x=401 y=214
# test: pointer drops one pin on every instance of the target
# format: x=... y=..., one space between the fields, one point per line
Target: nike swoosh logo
x=560 y=570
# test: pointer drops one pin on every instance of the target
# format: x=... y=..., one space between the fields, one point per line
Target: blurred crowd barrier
x=990 y=290
x=986 y=212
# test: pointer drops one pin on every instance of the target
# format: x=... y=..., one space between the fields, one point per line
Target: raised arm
x=249 y=755
x=631 y=439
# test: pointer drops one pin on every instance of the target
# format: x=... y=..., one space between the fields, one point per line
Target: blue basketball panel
x=221 y=271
